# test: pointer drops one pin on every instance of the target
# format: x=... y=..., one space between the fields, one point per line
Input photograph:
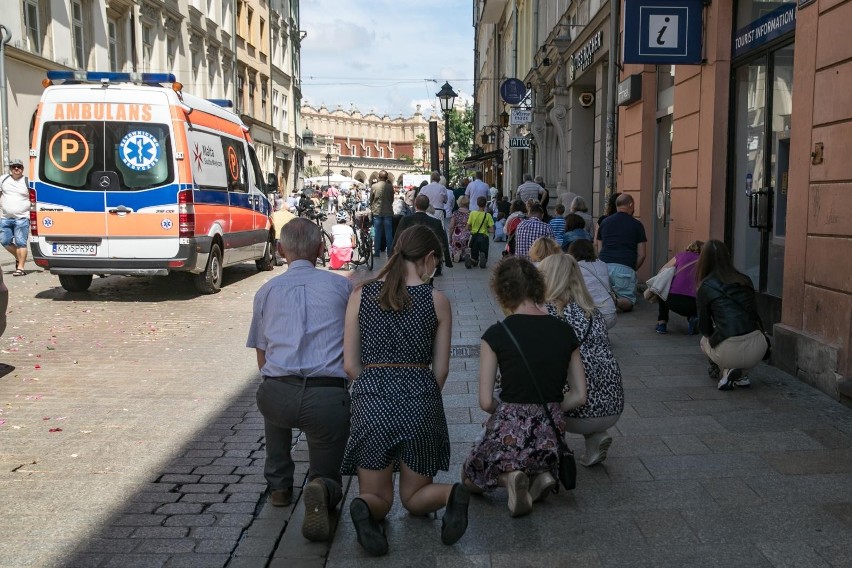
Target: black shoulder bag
x=567 y=464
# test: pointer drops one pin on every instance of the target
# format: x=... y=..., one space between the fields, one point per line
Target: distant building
x=356 y=145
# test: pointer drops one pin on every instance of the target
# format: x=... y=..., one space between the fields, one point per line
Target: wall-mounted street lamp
x=447 y=96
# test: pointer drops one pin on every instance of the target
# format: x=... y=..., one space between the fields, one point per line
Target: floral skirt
x=517 y=437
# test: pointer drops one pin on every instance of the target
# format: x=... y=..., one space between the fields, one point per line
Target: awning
x=475 y=159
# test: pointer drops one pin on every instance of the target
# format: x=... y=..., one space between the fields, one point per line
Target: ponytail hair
x=413 y=244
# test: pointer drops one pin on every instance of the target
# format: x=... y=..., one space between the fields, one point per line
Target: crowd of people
x=369 y=400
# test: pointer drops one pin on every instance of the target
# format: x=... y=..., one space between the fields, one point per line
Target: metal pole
x=447 y=145
x=328 y=169
x=5 y=37
x=611 y=87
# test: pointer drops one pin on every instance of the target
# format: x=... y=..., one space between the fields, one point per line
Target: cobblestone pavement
x=129 y=437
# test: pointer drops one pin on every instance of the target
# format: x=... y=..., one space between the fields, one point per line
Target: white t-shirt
x=436 y=193
x=448 y=206
x=15 y=199
x=476 y=189
x=341 y=235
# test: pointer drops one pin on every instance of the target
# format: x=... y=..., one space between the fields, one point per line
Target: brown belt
x=311 y=381
x=396 y=365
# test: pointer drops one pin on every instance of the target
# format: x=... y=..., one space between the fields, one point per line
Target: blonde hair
x=463 y=201
x=564 y=283
x=695 y=246
x=542 y=248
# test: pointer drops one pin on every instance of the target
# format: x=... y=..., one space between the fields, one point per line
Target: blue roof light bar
x=111 y=76
x=224 y=103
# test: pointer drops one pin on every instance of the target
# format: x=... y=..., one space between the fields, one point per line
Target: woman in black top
x=518 y=443
x=727 y=317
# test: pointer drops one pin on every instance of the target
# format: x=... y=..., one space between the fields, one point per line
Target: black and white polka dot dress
x=397 y=411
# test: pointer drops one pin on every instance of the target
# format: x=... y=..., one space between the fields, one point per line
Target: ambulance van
x=129 y=175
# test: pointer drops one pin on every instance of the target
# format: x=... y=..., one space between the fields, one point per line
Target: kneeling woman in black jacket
x=727 y=314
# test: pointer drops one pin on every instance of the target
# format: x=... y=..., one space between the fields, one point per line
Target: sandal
x=18 y=272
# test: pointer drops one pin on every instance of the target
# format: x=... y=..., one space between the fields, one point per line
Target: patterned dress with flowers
x=518 y=436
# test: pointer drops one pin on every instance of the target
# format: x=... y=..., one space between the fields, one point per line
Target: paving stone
x=220 y=479
x=139 y=520
x=243 y=498
x=813 y=462
x=198 y=561
x=232 y=507
x=201 y=488
x=137 y=561
x=245 y=488
x=234 y=520
x=190 y=520
x=203 y=498
x=165 y=545
x=215 y=546
x=235 y=462
x=85 y=560
x=786 y=554
x=173 y=478
x=214 y=470
x=181 y=509
x=712 y=466
x=110 y=545
x=160 y=532
x=204 y=453
x=145 y=497
x=218 y=533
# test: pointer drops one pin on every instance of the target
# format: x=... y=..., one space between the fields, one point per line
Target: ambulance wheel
x=267 y=261
x=210 y=281
x=75 y=282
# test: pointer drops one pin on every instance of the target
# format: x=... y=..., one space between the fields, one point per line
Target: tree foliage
x=461 y=138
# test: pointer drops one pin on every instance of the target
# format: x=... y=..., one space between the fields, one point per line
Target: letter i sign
x=662 y=30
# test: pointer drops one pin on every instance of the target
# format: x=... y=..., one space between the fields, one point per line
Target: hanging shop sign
x=666 y=32
x=520 y=116
x=513 y=91
x=764 y=29
x=629 y=91
x=583 y=57
x=519 y=142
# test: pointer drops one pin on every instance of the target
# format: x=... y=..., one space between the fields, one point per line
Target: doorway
x=662 y=192
x=762 y=101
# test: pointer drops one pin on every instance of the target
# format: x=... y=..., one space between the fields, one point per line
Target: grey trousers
x=322 y=413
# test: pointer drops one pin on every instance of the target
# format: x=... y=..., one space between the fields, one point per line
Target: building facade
x=360 y=145
x=205 y=43
x=722 y=149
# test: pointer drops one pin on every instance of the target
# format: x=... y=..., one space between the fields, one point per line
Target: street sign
x=519 y=142
x=513 y=91
x=663 y=32
x=520 y=116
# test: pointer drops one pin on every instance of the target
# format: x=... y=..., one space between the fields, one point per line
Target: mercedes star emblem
x=104 y=181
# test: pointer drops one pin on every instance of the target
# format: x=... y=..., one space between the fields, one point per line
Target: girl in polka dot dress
x=397 y=351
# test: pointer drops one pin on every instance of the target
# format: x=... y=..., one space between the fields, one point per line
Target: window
x=285 y=125
x=195 y=56
x=78 y=34
x=139 y=152
x=276 y=109
x=262 y=30
x=147 y=46
x=31 y=23
x=237 y=174
x=251 y=97
x=263 y=94
x=112 y=32
x=240 y=92
x=250 y=25
x=171 y=51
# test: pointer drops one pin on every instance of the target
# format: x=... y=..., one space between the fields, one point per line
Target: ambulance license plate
x=75 y=249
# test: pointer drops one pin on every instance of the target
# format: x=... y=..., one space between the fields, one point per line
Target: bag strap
x=759 y=320
x=535 y=384
x=685 y=266
x=484 y=213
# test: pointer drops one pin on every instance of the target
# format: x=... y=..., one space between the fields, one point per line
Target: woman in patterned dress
x=569 y=300
x=518 y=448
x=459 y=233
x=396 y=348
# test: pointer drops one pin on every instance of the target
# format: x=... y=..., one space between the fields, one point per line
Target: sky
x=386 y=55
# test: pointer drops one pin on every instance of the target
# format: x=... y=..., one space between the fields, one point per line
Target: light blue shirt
x=298 y=321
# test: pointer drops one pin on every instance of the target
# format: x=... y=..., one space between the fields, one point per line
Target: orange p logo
x=69 y=147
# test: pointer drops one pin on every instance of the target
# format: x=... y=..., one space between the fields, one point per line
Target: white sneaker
x=729 y=379
x=541 y=487
x=518 y=486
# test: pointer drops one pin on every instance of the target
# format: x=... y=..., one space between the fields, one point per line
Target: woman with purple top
x=681 y=299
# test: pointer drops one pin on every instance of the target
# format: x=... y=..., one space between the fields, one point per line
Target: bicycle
x=362 y=253
x=318 y=216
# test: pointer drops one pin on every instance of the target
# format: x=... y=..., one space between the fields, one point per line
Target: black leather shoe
x=454 y=523
x=370 y=534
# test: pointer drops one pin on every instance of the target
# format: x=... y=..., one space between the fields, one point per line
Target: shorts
x=14 y=228
x=623 y=280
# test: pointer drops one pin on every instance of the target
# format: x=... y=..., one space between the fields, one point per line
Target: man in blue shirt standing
x=620 y=243
x=297 y=332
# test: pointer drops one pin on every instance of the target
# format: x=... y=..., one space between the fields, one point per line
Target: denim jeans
x=382 y=225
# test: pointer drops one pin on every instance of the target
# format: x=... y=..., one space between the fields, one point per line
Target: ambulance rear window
x=73 y=154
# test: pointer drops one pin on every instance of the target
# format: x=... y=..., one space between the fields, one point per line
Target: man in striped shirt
x=530 y=230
